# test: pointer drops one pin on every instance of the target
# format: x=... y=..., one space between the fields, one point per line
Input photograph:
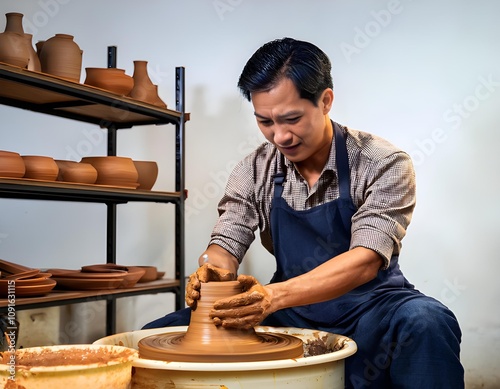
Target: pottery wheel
x=267 y=347
x=204 y=342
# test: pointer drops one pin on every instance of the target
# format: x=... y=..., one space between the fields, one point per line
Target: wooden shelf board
x=61 y=296
x=45 y=93
x=57 y=190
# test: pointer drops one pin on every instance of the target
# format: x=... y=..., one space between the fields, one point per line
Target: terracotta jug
x=61 y=56
x=144 y=89
x=13 y=47
x=34 y=61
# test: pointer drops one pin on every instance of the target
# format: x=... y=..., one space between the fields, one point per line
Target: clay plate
x=39 y=289
x=88 y=284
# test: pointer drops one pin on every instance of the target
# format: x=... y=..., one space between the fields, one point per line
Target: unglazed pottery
x=114 y=170
x=144 y=89
x=111 y=79
x=205 y=342
x=11 y=164
x=14 y=22
x=40 y=167
x=70 y=366
x=148 y=173
x=61 y=56
x=13 y=48
x=78 y=172
x=34 y=61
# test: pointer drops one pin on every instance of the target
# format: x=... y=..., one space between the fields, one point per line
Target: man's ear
x=326 y=100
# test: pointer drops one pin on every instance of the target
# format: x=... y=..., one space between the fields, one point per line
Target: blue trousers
x=416 y=345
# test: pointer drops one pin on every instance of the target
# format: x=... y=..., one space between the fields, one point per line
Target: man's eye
x=266 y=123
x=293 y=120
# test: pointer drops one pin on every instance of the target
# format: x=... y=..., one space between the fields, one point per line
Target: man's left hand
x=245 y=310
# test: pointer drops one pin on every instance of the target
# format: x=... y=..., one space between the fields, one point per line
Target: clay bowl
x=111 y=79
x=148 y=173
x=78 y=172
x=132 y=273
x=40 y=167
x=69 y=366
x=113 y=170
x=151 y=273
x=11 y=164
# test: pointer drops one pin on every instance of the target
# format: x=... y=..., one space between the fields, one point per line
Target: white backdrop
x=423 y=74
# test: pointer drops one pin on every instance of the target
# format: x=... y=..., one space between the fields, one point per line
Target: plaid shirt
x=382 y=189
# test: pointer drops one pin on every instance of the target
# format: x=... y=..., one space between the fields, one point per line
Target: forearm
x=327 y=281
x=219 y=257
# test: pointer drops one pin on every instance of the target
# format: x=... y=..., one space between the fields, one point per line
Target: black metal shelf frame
x=89 y=97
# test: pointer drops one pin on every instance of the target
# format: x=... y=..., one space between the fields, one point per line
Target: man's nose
x=282 y=135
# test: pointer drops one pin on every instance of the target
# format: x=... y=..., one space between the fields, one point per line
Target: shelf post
x=180 y=185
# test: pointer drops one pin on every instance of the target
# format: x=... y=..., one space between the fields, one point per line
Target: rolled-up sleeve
x=238 y=217
x=386 y=203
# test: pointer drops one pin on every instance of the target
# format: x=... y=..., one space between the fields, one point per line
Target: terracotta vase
x=111 y=79
x=14 y=22
x=13 y=47
x=144 y=89
x=34 y=61
x=62 y=57
x=204 y=342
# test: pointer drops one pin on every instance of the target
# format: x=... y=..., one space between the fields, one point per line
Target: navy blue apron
x=303 y=240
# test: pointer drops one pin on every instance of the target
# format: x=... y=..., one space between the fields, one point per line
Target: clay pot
x=34 y=62
x=111 y=79
x=11 y=164
x=144 y=89
x=71 y=171
x=13 y=49
x=115 y=171
x=40 y=167
x=148 y=173
x=204 y=342
x=14 y=22
x=62 y=57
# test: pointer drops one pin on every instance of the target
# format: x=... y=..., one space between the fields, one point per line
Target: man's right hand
x=205 y=273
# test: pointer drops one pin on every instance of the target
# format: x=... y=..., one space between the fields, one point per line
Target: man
x=332 y=205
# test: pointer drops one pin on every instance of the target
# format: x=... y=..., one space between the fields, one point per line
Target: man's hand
x=245 y=310
x=205 y=273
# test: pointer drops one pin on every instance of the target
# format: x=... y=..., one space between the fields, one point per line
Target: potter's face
x=297 y=127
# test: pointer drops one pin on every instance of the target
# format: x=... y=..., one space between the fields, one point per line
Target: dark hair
x=306 y=65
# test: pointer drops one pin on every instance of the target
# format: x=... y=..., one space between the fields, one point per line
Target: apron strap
x=342 y=161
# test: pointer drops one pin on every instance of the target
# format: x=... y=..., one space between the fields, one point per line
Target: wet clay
x=205 y=342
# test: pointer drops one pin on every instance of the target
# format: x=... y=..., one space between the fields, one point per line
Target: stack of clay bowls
x=23 y=281
x=11 y=165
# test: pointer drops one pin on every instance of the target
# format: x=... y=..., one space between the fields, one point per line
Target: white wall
x=423 y=74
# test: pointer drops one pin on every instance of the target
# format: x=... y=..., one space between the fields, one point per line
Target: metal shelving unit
x=54 y=96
